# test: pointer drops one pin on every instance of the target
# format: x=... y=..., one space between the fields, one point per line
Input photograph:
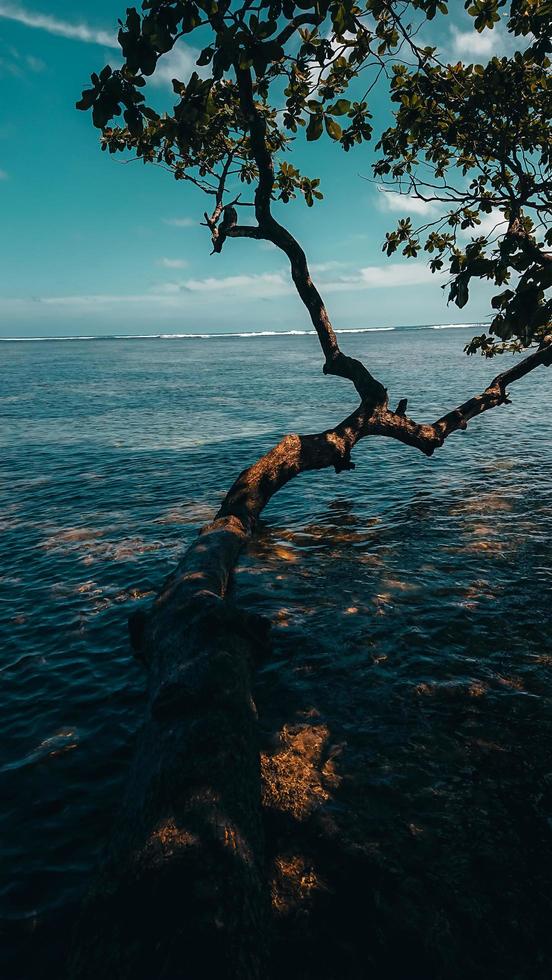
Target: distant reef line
x=242 y=334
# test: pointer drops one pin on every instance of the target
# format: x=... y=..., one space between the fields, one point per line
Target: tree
x=476 y=139
x=182 y=889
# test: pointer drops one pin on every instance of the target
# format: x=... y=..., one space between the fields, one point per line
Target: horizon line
x=240 y=334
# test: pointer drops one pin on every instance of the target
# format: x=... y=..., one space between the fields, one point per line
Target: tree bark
x=181 y=893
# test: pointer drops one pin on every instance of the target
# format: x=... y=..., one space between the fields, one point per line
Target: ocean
x=409 y=602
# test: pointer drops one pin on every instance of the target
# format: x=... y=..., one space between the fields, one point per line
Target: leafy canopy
x=311 y=68
x=476 y=140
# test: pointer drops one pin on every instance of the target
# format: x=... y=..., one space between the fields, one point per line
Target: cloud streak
x=268 y=285
x=54 y=25
x=178 y=63
x=180 y=222
x=263 y=285
x=208 y=295
x=172 y=263
x=12 y=62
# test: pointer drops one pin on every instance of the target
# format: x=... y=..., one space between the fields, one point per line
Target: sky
x=92 y=245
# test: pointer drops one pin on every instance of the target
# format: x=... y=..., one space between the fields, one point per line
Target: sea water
x=409 y=600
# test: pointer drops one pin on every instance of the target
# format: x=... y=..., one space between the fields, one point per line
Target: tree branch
x=370 y=390
x=301 y=21
x=296 y=454
x=531 y=249
x=428 y=438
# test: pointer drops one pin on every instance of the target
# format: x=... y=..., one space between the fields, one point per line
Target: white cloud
x=4 y=175
x=201 y=295
x=172 y=263
x=403 y=203
x=171 y=295
x=495 y=222
x=396 y=274
x=471 y=45
x=178 y=63
x=180 y=222
x=316 y=74
x=387 y=276
x=261 y=286
x=53 y=25
x=320 y=267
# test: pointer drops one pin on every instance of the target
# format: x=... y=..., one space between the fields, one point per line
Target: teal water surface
x=410 y=601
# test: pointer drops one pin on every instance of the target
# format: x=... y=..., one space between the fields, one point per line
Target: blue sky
x=91 y=245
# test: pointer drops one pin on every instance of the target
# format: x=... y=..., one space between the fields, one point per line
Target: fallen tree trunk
x=181 y=892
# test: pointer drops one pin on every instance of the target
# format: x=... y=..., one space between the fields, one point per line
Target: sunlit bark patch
x=167 y=839
x=293 y=883
x=299 y=777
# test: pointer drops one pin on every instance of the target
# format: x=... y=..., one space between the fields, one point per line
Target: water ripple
x=409 y=601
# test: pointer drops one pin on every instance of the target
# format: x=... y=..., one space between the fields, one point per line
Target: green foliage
x=475 y=140
x=286 y=47
x=485 y=124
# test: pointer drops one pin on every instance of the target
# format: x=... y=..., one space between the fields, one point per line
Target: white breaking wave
x=198 y=336
x=28 y=340
x=176 y=336
x=362 y=330
x=246 y=334
x=266 y=333
x=456 y=326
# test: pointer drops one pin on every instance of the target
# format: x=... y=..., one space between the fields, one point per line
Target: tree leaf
x=314 y=128
x=340 y=108
x=333 y=129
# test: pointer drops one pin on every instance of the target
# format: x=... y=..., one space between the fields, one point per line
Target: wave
x=260 y=333
x=196 y=336
x=246 y=334
x=456 y=326
x=364 y=329
x=28 y=340
x=175 y=336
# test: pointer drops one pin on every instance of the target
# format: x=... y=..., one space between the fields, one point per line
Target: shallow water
x=410 y=603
